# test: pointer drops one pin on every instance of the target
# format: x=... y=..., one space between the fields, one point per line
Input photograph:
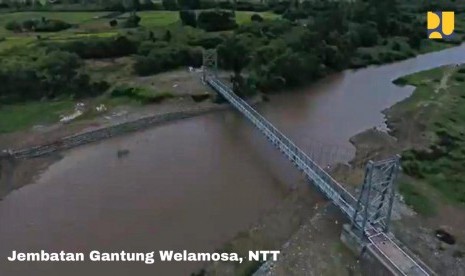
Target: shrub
x=256 y=17
x=99 y=47
x=140 y=94
x=225 y=5
x=36 y=25
x=396 y=46
x=170 y=5
x=281 y=7
x=145 y=47
x=29 y=24
x=188 y=17
x=207 y=41
x=293 y=14
x=461 y=70
x=132 y=21
x=13 y=26
x=250 y=6
x=167 y=36
x=400 y=81
x=209 y=4
x=167 y=58
x=460 y=78
x=216 y=20
x=52 y=25
x=113 y=23
x=189 y=4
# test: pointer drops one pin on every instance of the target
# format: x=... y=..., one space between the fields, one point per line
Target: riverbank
x=19 y=166
x=305 y=228
x=427 y=129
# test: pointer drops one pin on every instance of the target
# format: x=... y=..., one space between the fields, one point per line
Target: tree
x=189 y=4
x=188 y=17
x=57 y=69
x=216 y=20
x=234 y=54
x=256 y=18
x=113 y=23
x=415 y=41
x=13 y=26
x=294 y=68
x=132 y=21
x=167 y=36
x=170 y=5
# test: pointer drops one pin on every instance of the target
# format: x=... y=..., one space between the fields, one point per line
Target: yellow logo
x=440 y=24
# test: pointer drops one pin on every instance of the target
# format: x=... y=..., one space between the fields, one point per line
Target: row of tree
x=37 y=25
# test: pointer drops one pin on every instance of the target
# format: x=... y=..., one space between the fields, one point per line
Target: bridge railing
x=330 y=187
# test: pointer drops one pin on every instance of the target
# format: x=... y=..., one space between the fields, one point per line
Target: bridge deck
x=378 y=241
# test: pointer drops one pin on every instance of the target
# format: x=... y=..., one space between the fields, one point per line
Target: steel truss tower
x=210 y=63
x=374 y=205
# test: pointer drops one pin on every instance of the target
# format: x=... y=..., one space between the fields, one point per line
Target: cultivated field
x=93 y=24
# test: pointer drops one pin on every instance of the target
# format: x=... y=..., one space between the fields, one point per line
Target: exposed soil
x=315 y=249
x=309 y=229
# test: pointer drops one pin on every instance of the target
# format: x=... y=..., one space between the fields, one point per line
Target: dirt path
x=443 y=84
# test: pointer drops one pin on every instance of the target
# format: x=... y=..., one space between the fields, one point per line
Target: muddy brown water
x=192 y=184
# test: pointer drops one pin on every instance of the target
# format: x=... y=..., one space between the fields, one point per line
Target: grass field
x=165 y=18
x=438 y=107
x=85 y=21
x=91 y=24
x=22 y=116
x=152 y=19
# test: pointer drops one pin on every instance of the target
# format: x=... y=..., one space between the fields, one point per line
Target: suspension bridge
x=369 y=214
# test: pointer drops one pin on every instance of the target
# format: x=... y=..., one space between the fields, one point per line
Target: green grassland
x=92 y=24
x=21 y=116
x=86 y=23
x=152 y=19
x=438 y=107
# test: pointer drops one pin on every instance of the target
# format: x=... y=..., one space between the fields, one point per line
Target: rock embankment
x=106 y=132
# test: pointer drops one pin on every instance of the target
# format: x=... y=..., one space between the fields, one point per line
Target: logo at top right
x=440 y=24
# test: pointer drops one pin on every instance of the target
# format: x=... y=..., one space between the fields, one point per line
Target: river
x=192 y=184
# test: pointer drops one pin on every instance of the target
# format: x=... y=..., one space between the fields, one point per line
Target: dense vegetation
x=440 y=117
x=312 y=39
x=97 y=47
x=45 y=75
x=37 y=25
